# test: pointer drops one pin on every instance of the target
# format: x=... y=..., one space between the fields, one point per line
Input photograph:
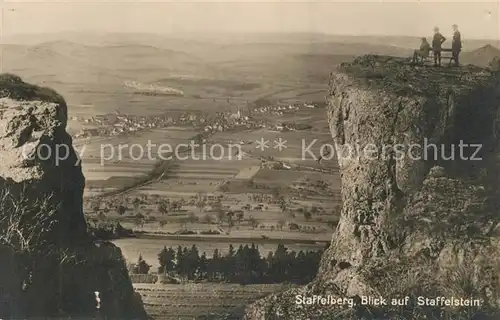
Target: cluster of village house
x=116 y=123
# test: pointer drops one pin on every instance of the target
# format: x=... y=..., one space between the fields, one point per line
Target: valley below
x=203 y=147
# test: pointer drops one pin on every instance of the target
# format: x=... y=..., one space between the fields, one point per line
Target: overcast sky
x=475 y=19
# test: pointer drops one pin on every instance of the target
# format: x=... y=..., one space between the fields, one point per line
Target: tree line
x=242 y=265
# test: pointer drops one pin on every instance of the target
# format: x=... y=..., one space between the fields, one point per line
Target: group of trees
x=243 y=265
x=140 y=267
x=109 y=231
x=132 y=206
x=213 y=212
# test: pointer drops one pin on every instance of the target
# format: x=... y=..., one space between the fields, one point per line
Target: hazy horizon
x=476 y=20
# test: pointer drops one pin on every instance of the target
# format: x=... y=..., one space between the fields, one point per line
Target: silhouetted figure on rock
x=456 y=45
x=437 y=42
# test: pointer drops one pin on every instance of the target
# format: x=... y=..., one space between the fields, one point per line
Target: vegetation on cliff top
x=399 y=76
x=15 y=88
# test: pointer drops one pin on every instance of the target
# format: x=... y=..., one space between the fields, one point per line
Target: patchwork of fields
x=299 y=147
x=230 y=166
x=212 y=301
x=242 y=174
x=128 y=156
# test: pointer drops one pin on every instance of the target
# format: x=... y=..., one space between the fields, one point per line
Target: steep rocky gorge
x=414 y=221
x=51 y=266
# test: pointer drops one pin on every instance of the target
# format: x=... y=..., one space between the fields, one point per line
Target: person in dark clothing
x=437 y=42
x=456 y=45
x=423 y=52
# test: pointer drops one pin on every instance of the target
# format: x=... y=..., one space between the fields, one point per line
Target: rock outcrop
x=36 y=152
x=417 y=148
x=54 y=264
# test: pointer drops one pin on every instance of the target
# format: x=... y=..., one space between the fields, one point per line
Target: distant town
x=113 y=124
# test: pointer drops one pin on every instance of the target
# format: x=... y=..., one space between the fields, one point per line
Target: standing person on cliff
x=437 y=42
x=456 y=45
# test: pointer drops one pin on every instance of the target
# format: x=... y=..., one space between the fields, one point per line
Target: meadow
x=127 y=156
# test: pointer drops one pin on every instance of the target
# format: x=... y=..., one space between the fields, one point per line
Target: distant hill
x=68 y=62
x=481 y=56
x=110 y=55
x=99 y=64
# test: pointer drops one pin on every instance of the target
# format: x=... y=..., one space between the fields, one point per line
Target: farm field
x=193 y=301
x=296 y=146
x=303 y=184
x=267 y=221
x=200 y=173
x=248 y=173
x=127 y=156
x=301 y=187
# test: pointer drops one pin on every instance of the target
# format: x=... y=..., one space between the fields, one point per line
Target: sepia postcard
x=254 y=160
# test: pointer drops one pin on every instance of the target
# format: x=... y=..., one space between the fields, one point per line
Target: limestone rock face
x=57 y=264
x=36 y=152
x=413 y=195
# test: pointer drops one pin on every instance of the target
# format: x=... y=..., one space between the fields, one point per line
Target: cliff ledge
x=420 y=201
x=51 y=265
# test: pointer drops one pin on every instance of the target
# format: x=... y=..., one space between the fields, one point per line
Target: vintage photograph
x=254 y=160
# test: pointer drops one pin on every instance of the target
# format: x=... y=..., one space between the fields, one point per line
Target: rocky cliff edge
x=50 y=265
x=420 y=200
